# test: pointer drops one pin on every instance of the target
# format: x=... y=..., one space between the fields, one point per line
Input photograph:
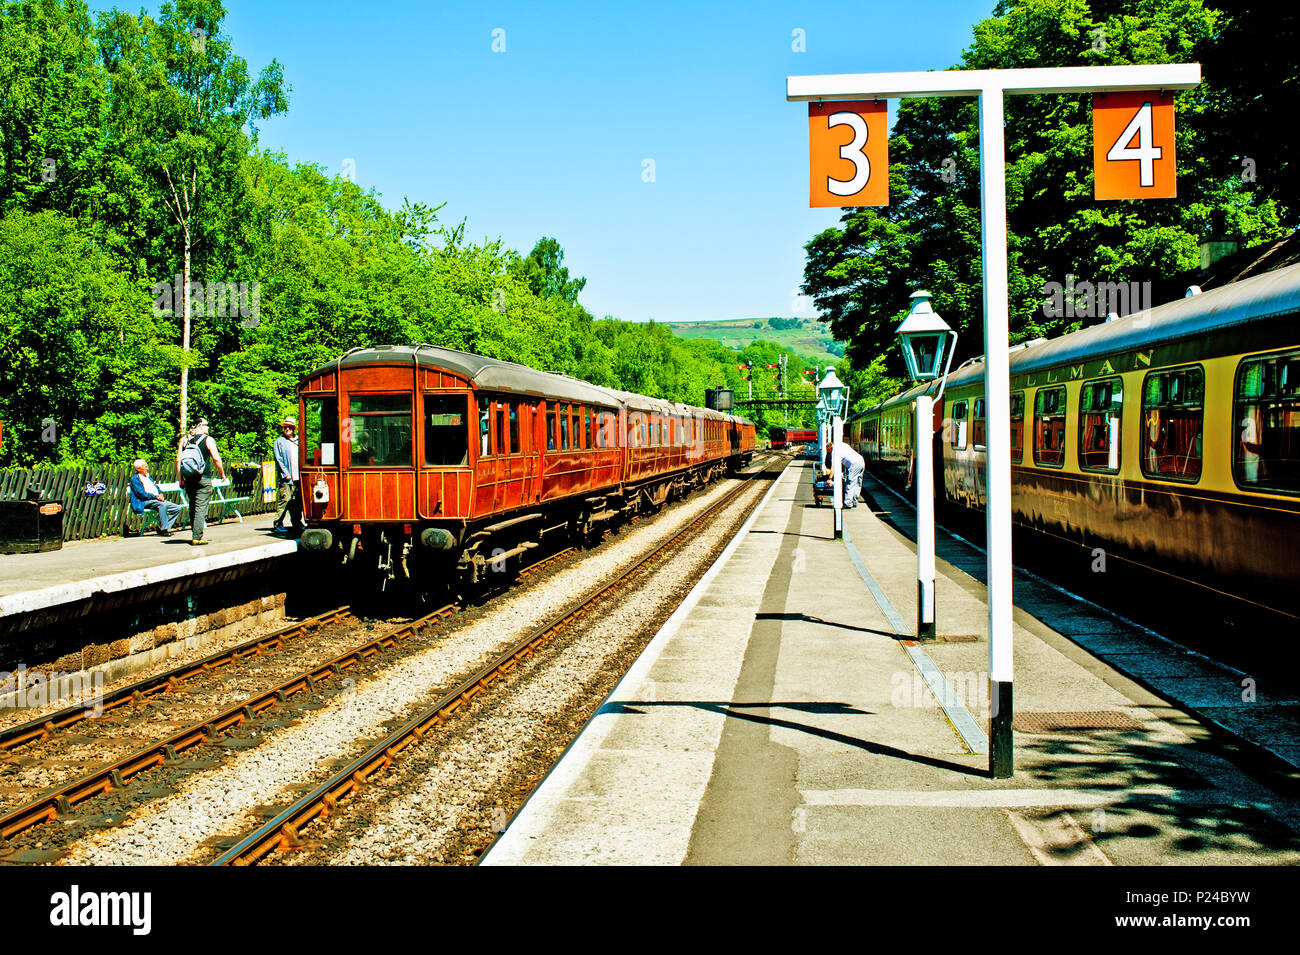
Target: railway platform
x=783 y=715
x=88 y=577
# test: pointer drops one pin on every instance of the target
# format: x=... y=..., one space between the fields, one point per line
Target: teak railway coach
x=434 y=464
x=1169 y=438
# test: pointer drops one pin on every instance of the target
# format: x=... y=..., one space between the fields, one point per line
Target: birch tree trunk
x=185 y=338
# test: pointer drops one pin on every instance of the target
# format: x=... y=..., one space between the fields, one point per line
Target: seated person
x=146 y=496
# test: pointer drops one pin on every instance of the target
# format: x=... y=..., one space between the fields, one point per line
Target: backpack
x=192 y=458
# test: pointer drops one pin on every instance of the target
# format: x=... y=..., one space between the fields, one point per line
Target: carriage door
x=523 y=450
x=488 y=474
x=513 y=468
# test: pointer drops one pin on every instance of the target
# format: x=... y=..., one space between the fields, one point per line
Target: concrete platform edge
x=31 y=600
x=573 y=761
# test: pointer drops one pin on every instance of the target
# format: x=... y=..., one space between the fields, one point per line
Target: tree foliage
x=861 y=274
x=126 y=143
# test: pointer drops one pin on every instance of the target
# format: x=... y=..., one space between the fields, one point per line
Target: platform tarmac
x=783 y=715
x=81 y=569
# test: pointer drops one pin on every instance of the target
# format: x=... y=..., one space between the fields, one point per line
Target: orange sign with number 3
x=848 y=154
x=1133 y=145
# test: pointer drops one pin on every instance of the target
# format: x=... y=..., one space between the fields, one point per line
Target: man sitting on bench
x=145 y=496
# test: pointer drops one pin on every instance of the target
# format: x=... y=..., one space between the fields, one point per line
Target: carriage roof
x=1273 y=295
x=496 y=374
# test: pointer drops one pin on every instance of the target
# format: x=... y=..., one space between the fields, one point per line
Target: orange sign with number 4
x=1133 y=145
x=848 y=154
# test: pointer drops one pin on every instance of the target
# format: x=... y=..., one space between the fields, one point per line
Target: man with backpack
x=195 y=459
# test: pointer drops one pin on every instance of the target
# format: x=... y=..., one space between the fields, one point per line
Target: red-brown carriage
x=435 y=464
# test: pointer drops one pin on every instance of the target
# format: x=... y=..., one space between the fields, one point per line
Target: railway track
x=45 y=727
x=132 y=699
x=115 y=774
x=284 y=830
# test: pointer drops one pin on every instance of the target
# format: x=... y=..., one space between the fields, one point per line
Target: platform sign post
x=1130 y=149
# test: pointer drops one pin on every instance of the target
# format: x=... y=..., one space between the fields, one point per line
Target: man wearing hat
x=286 y=467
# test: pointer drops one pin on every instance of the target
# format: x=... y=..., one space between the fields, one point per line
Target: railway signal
x=845 y=92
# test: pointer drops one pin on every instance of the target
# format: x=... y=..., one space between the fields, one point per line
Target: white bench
x=219 y=506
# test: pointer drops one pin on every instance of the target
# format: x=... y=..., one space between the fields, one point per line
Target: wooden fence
x=87 y=516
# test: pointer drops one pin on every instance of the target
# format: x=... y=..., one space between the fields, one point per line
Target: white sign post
x=990 y=86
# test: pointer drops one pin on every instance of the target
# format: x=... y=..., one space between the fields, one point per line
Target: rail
x=283 y=831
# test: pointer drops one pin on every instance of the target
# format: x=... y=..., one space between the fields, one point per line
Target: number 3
x=1146 y=153
x=853 y=153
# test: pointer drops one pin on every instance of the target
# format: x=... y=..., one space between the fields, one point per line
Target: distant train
x=433 y=464
x=1169 y=438
x=784 y=437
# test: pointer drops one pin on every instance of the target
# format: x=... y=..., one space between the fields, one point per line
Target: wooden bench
x=219 y=505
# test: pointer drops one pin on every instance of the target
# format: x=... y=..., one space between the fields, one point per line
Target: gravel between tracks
x=219 y=801
x=443 y=804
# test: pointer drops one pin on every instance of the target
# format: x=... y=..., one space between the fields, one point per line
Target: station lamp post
x=925 y=338
x=832 y=400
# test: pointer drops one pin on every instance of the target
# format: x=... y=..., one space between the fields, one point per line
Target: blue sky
x=550 y=136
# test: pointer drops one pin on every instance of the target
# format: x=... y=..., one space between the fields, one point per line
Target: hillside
x=809 y=338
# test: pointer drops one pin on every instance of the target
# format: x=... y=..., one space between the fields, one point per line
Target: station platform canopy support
x=989 y=87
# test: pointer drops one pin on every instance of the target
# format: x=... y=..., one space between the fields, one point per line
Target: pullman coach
x=1169 y=438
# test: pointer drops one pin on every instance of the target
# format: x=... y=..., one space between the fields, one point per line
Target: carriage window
x=550 y=429
x=977 y=424
x=321 y=430
x=574 y=430
x=957 y=436
x=1266 y=423
x=500 y=443
x=1017 y=426
x=564 y=427
x=1049 y=427
x=1173 y=412
x=514 y=427
x=589 y=439
x=381 y=430
x=602 y=434
x=484 y=427
x=446 y=440
x=1101 y=405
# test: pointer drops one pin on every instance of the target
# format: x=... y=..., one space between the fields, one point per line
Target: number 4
x=1145 y=153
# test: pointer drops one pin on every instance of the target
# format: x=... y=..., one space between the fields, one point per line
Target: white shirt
x=149 y=487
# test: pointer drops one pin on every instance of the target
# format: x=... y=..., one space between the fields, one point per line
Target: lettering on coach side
x=76 y=908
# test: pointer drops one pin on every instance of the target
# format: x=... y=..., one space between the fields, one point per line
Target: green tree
x=79 y=368
x=544 y=272
x=182 y=109
x=861 y=274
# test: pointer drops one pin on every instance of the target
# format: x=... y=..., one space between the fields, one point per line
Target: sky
x=653 y=140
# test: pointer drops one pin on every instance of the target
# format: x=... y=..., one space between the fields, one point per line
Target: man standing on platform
x=286 y=467
x=854 y=466
x=195 y=459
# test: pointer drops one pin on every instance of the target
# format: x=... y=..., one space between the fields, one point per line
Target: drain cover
x=1062 y=722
